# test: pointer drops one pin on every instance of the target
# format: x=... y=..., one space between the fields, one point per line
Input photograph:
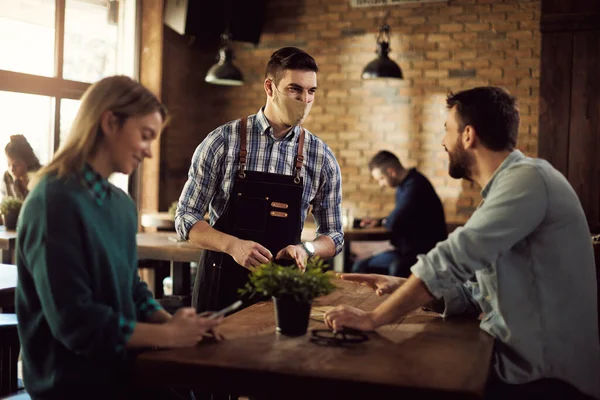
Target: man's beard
x=459 y=167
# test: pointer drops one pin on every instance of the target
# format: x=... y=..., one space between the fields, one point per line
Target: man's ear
x=269 y=87
x=108 y=122
x=391 y=172
x=469 y=137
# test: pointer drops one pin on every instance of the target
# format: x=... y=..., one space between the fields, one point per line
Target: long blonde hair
x=121 y=95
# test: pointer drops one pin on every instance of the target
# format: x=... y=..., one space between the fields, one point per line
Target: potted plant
x=9 y=208
x=292 y=291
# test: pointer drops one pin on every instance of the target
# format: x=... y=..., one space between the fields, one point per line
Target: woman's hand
x=187 y=328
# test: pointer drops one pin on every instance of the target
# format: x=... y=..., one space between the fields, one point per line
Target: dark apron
x=263 y=207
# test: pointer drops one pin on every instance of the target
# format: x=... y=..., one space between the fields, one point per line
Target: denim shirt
x=525 y=260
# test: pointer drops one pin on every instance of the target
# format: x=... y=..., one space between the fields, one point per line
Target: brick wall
x=439 y=46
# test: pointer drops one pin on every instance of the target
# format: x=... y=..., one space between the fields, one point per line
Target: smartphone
x=226 y=310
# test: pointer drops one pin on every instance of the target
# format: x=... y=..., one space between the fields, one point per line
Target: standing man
x=417 y=222
x=524 y=261
x=257 y=177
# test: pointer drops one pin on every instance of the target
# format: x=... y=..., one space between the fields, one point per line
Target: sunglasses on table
x=327 y=337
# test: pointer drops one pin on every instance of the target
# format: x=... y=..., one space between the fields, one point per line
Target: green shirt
x=78 y=295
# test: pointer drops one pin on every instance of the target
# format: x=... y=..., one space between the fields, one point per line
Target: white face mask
x=291 y=112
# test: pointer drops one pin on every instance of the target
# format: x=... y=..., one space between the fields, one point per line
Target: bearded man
x=523 y=263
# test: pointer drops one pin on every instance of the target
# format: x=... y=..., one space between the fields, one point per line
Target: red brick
x=466 y=18
x=436 y=73
x=452 y=27
x=505 y=7
x=413 y=20
x=452 y=10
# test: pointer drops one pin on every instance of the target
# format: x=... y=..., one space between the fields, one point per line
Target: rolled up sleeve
x=200 y=186
x=327 y=204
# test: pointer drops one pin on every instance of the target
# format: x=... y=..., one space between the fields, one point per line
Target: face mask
x=291 y=111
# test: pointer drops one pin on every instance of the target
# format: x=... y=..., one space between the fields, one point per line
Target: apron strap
x=244 y=152
x=299 y=156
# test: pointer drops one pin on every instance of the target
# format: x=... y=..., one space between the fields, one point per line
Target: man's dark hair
x=492 y=111
x=289 y=58
x=384 y=160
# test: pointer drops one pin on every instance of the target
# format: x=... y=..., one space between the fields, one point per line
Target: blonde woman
x=80 y=303
x=22 y=163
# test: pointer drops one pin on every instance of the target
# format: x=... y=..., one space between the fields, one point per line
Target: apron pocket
x=250 y=214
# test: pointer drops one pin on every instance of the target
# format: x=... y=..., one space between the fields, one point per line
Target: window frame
x=57 y=87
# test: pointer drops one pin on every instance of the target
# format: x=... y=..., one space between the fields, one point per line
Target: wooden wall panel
x=584 y=138
x=569 y=6
x=151 y=76
x=555 y=99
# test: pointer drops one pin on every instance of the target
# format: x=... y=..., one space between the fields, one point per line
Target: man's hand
x=369 y=223
x=249 y=254
x=381 y=284
x=294 y=252
x=342 y=317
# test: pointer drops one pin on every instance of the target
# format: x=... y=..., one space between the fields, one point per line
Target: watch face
x=309 y=247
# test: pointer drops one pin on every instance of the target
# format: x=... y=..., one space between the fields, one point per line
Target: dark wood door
x=570 y=97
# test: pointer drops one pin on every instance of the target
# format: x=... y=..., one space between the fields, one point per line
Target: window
x=51 y=51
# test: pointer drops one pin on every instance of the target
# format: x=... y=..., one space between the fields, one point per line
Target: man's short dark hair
x=492 y=111
x=384 y=160
x=289 y=58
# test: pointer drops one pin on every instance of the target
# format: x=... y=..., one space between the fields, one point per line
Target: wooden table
x=8 y=283
x=419 y=354
x=362 y=234
x=160 y=220
x=162 y=246
x=8 y=240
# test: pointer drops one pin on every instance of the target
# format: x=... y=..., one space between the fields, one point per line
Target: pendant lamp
x=382 y=66
x=224 y=72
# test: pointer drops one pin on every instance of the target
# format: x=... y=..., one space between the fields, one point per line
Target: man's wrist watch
x=309 y=248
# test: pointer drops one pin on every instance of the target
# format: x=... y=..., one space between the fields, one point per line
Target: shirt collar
x=512 y=158
x=409 y=173
x=266 y=129
x=95 y=183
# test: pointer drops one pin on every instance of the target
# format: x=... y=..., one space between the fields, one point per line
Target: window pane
x=31 y=116
x=27 y=36
x=68 y=111
x=90 y=40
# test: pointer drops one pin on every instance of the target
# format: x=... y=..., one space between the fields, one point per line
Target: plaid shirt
x=98 y=186
x=215 y=163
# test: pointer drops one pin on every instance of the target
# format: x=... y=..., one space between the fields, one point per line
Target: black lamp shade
x=382 y=67
x=224 y=72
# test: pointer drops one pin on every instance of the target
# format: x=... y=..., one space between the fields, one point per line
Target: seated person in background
x=81 y=306
x=523 y=262
x=22 y=163
x=417 y=222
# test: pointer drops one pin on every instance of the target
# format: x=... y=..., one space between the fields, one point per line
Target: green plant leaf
x=272 y=279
